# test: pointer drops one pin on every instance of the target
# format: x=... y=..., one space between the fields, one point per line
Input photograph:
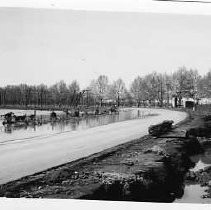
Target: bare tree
x=204 y=86
x=74 y=90
x=139 y=90
x=186 y=83
x=99 y=87
x=117 y=90
x=153 y=87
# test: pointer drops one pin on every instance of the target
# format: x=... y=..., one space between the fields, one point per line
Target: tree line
x=151 y=89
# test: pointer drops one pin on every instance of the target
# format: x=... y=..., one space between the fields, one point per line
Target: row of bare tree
x=154 y=88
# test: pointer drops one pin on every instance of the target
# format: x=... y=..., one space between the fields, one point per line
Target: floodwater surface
x=40 y=151
x=193 y=192
x=24 y=132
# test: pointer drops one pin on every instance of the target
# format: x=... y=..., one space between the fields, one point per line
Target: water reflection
x=10 y=132
x=193 y=192
x=8 y=129
x=202 y=160
x=93 y=121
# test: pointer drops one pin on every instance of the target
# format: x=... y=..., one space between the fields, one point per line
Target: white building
x=205 y=101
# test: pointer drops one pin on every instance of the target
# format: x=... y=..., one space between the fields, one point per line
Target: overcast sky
x=45 y=46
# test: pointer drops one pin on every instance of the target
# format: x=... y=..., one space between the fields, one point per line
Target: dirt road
x=28 y=156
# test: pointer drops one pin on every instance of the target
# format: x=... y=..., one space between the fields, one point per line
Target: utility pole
x=118 y=99
x=161 y=92
x=87 y=96
x=168 y=88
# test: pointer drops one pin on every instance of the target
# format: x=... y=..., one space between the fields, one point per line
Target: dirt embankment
x=202 y=175
x=146 y=169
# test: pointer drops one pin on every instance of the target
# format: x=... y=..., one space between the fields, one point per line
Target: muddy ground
x=146 y=169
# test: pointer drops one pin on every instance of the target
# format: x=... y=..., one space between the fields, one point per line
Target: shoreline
x=82 y=178
x=34 y=156
x=146 y=169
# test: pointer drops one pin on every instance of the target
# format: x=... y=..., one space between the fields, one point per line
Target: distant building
x=183 y=102
x=205 y=101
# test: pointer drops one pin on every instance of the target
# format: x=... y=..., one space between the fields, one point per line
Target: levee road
x=30 y=155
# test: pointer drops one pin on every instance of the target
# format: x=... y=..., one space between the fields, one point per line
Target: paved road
x=27 y=156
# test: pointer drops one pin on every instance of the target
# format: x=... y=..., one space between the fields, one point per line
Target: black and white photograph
x=105 y=105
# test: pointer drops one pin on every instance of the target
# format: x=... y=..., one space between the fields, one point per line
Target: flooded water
x=11 y=134
x=202 y=160
x=193 y=192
